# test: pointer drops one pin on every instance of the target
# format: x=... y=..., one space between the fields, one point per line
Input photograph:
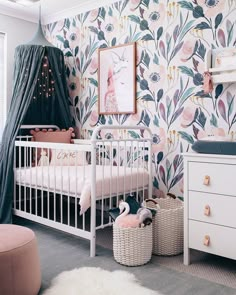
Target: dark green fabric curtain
x=28 y=66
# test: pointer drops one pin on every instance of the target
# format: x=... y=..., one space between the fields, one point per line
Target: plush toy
x=125 y=219
x=144 y=216
x=44 y=160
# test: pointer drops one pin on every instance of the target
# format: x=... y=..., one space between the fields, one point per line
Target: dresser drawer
x=221 y=178
x=222 y=240
x=212 y=208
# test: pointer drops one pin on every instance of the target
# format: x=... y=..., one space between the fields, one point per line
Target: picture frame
x=117 y=79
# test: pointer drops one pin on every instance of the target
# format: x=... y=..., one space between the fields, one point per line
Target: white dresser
x=209 y=204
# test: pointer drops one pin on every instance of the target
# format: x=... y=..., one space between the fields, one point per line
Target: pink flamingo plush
x=125 y=219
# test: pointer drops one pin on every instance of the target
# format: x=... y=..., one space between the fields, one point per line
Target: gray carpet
x=60 y=251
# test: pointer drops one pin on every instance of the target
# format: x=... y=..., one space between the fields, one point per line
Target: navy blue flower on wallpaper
x=172 y=39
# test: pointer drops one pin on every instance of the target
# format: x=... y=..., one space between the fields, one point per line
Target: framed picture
x=117 y=80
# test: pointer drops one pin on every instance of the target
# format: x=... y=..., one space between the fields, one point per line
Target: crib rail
x=71 y=186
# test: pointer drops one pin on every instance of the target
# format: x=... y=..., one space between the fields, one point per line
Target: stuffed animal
x=144 y=216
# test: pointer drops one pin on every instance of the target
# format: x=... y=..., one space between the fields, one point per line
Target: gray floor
x=59 y=251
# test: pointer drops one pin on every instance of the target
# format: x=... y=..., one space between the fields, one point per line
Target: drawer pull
x=206 y=240
x=207 y=210
x=206 y=180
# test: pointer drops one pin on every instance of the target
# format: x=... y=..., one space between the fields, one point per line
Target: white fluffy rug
x=96 y=281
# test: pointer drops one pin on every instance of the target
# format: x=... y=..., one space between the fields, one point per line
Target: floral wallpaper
x=172 y=38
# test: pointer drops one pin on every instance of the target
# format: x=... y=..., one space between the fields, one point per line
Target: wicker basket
x=132 y=246
x=167 y=226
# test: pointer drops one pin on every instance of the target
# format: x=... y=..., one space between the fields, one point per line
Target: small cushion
x=68 y=158
x=214 y=147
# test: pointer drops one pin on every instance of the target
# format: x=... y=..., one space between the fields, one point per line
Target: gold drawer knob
x=206 y=240
x=206 y=180
x=207 y=210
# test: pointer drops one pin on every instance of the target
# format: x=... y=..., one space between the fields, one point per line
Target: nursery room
x=117 y=147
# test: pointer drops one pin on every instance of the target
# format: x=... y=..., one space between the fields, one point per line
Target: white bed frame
x=59 y=209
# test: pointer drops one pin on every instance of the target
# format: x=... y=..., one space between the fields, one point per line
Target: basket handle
x=151 y=200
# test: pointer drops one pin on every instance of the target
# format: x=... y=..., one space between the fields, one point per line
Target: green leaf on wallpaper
x=218 y=20
x=155 y=183
x=85 y=16
x=66 y=44
x=102 y=119
x=218 y=91
x=186 y=136
x=144 y=25
x=110 y=120
x=147 y=37
x=76 y=100
x=186 y=29
x=147 y=97
x=156 y=59
x=76 y=50
x=110 y=12
x=198 y=12
x=93 y=29
x=124 y=5
x=187 y=71
x=144 y=84
x=230 y=30
x=145 y=3
x=60 y=38
x=67 y=23
x=160 y=156
x=156 y=121
x=101 y=35
x=146 y=59
x=135 y=19
x=156 y=1
x=102 y=13
x=202 y=119
x=159 y=33
x=213 y=121
x=73 y=22
x=68 y=54
x=202 y=26
x=134 y=134
x=201 y=50
x=93 y=82
x=186 y=4
x=230 y=101
x=160 y=94
x=73 y=72
x=113 y=42
x=187 y=94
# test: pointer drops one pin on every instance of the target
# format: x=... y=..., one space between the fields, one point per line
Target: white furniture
x=209 y=204
x=54 y=193
x=224 y=72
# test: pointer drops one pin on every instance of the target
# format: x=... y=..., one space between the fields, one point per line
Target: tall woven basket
x=167 y=226
x=132 y=246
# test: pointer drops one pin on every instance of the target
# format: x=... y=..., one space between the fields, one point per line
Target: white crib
x=74 y=196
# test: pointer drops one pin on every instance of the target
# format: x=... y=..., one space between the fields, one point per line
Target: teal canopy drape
x=29 y=106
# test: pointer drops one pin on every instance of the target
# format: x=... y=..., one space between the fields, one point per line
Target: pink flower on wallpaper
x=133 y=4
x=158 y=140
x=73 y=37
x=155 y=16
x=93 y=15
x=155 y=76
x=93 y=118
x=212 y=7
x=187 y=116
x=187 y=49
x=93 y=67
x=110 y=27
x=215 y=132
x=74 y=86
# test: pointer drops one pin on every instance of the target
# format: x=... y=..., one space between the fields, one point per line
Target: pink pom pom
x=44 y=130
x=37 y=129
x=63 y=130
x=50 y=130
x=32 y=132
x=72 y=135
x=71 y=129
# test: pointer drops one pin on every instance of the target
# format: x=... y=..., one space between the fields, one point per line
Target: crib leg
x=93 y=245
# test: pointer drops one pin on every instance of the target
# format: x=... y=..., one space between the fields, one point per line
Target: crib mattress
x=76 y=180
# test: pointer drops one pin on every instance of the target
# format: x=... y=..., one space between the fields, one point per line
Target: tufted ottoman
x=19 y=261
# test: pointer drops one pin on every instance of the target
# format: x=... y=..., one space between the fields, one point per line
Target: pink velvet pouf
x=19 y=261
